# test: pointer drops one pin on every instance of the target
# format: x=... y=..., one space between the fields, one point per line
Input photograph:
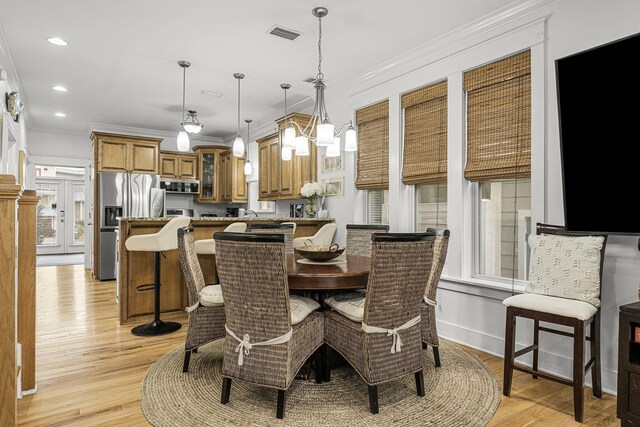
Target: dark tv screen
x=598 y=99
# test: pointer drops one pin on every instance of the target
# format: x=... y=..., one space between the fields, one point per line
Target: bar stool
x=164 y=240
x=208 y=246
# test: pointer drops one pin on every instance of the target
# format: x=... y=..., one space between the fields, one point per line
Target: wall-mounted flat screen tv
x=599 y=108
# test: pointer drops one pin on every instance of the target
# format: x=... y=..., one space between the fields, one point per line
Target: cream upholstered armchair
x=208 y=246
x=323 y=237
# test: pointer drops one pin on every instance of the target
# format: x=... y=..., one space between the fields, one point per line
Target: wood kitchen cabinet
x=282 y=179
x=178 y=165
x=208 y=162
x=126 y=153
x=233 y=184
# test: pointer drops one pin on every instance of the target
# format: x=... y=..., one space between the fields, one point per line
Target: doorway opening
x=60 y=213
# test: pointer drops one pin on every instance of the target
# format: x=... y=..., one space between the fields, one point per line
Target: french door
x=60 y=216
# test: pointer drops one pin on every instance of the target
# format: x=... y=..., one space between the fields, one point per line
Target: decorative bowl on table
x=320 y=253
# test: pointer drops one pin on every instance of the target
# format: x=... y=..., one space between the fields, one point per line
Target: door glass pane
x=207 y=175
x=46 y=214
x=78 y=214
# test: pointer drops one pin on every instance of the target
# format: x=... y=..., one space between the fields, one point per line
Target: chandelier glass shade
x=182 y=142
x=302 y=146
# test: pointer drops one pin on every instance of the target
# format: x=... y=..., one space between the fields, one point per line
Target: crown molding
x=12 y=76
x=462 y=38
x=129 y=130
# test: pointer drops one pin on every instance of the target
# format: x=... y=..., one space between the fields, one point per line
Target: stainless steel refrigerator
x=124 y=194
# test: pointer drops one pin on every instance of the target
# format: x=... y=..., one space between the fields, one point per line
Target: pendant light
x=182 y=142
x=248 y=169
x=238 y=144
x=289 y=131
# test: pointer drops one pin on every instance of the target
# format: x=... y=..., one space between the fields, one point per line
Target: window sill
x=481 y=287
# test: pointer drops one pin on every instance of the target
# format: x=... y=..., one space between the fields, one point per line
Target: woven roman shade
x=499 y=119
x=373 y=147
x=425 y=135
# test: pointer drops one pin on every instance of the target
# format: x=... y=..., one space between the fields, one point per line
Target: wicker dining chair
x=264 y=345
x=359 y=238
x=206 y=309
x=285 y=228
x=385 y=344
x=428 y=327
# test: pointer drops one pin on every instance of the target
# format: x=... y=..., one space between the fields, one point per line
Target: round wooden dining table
x=352 y=274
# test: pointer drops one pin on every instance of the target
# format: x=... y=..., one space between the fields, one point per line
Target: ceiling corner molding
x=13 y=79
x=447 y=45
x=129 y=130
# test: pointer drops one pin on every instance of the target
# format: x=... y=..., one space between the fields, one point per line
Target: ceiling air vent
x=210 y=93
x=285 y=33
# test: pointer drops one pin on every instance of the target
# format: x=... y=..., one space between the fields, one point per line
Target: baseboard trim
x=552 y=363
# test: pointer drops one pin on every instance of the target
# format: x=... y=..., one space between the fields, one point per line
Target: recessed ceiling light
x=57 y=41
x=59 y=88
x=60 y=114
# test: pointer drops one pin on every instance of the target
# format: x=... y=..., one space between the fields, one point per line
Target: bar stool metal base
x=157 y=327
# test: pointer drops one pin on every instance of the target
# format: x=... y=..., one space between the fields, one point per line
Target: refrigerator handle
x=127 y=187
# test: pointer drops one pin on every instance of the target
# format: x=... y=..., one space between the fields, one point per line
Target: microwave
x=183 y=186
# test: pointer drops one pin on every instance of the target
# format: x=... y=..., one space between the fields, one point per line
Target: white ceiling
x=121 y=63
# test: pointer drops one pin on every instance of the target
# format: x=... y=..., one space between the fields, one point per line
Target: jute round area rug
x=463 y=392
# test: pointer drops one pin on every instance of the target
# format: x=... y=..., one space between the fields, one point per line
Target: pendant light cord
x=320 y=76
x=238 y=107
x=184 y=78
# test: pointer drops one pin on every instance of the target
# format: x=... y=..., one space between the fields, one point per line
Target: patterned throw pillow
x=565 y=267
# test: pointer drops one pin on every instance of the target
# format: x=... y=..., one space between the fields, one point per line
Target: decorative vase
x=310 y=208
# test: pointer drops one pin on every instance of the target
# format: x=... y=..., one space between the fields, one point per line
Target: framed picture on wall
x=331 y=164
x=334 y=186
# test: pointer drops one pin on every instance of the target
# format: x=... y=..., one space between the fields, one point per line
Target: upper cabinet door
x=274 y=169
x=187 y=167
x=168 y=165
x=264 y=160
x=112 y=155
x=144 y=157
x=240 y=187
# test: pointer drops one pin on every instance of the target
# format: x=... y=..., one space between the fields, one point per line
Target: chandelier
x=326 y=134
x=192 y=124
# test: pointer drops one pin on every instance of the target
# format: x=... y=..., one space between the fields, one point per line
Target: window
x=504 y=225
x=431 y=206
x=499 y=162
x=378 y=206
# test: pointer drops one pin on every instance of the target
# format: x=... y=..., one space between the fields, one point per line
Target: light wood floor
x=90 y=368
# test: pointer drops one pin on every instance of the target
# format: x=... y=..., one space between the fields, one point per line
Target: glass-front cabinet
x=208 y=159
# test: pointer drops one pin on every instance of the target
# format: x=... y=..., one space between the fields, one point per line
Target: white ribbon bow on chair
x=245 y=345
x=396 y=345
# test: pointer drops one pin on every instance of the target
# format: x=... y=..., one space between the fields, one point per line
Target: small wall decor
x=296 y=210
x=14 y=105
x=334 y=186
x=331 y=164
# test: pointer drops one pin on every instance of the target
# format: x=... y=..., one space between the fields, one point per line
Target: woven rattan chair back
x=189 y=263
x=253 y=277
x=440 y=248
x=286 y=229
x=359 y=238
x=400 y=265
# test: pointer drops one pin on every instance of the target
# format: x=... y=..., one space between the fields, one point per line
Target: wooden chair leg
x=420 y=383
x=319 y=362
x=326 y=369
x=373 y=399
x=595 y=353
x=226 y=390
x=187 y=357
x=436 y=355
x=578 y=370
x=509 y=350
x=536 y=340
x=282 y=396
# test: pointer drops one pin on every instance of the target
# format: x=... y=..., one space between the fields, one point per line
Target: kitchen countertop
x=225 y=218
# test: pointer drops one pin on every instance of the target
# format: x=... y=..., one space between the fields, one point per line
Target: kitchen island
x=136 y=268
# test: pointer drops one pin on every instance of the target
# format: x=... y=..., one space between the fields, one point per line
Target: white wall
x=471 y=312
x=60 y=145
